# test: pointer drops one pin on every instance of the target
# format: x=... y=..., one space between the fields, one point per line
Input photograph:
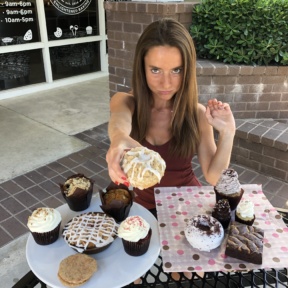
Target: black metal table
x=156 y=277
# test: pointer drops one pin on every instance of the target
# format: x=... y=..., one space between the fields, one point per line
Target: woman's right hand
x=115 y=153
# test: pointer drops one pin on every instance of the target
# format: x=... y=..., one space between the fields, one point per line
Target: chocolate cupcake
x=117 y=201
x=228 y=187
x=136 y=235
x=222 y=212
x=245 y=213
x=77 y=191
x=44 y=225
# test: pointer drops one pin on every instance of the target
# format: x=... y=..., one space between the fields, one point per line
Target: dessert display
x=222 y=212
x=143 y=167
x=204 y=232
x=44 y=225
x=245 y=243
x=116 y=201
x=77 y=269
x=77 y=191
x=90 y=232
x=228 y=187
x=245 y=212
x=136 y=234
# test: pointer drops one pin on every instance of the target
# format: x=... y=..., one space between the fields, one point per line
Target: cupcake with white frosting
x=44 y=225
x=136 y=234
x=245 y=213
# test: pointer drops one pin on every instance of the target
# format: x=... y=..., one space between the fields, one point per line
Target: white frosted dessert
x=245 y=212
x=133 y=229
x=44 y=224
x=136 y=234
x=143 y=167
x=204 y=232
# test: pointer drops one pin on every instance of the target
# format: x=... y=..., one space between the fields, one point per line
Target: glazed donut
x=143 y=167
x=204 y=232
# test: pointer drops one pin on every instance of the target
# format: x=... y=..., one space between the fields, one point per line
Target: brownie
x=245 y=243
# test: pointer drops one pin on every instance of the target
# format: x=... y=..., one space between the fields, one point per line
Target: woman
x=162 y=113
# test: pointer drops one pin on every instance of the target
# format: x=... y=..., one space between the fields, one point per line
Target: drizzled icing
x=44 y=220
x=245 y=209
x=143 y=160
x=93 y=229
x=133 y=229
x=228 y=182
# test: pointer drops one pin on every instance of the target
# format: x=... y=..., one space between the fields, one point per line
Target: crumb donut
x=204 y=232
x=143 y=167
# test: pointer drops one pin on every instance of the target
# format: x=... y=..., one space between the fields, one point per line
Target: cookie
x=77 y=269
x=143 y=167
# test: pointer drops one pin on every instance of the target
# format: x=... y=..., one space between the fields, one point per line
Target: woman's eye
x=176 y=71
x=155 y=70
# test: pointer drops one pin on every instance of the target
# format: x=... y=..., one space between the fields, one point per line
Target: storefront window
x=18 y=22
x=21 y=68
x=71 y=18
x=76 y=59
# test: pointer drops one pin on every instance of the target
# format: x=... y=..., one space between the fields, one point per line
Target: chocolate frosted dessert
x=222 y=212
x=228 y=187
x=77 y=191
x=245 y=243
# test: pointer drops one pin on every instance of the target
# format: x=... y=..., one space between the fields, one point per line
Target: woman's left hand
x=220 y=116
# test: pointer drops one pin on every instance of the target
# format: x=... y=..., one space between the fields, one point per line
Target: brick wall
x=262 y=145
x=253 y=92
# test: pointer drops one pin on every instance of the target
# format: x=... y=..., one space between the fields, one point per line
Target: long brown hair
x=184 y=125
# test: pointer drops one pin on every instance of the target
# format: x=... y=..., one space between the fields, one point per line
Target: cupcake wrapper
x=47 y=238
x=233 y=200
x=225 y=223
x=116 y=209
x=80 y=199
x=137 y=248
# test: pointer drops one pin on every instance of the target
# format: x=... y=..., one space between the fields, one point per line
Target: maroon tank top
x=178 y=173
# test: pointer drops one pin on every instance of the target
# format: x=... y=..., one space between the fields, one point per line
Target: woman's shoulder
x=201 y=108
x=122 y=98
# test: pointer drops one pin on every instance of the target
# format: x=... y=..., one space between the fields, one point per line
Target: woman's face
x=163 y=68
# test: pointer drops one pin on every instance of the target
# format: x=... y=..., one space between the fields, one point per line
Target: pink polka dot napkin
x=177 y=204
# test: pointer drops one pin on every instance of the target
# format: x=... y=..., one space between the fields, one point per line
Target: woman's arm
x=122 y=107
x=213 y=159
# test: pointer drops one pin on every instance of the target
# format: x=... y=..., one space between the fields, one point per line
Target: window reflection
x=21 y=68
x=76 y=59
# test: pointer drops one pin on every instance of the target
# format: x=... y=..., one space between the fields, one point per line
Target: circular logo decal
x=71 y=7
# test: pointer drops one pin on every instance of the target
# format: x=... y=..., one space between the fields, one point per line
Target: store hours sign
x=18 y=22
x=71 y=7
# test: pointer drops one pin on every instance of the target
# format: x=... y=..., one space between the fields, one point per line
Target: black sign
x=18 y=22
x=71 y=18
